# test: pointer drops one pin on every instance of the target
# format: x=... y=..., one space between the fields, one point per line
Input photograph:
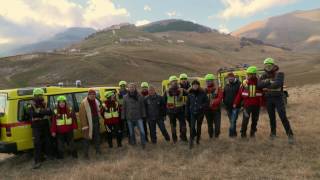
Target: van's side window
x=53 y=101
x=23 y=110
x=79 y=97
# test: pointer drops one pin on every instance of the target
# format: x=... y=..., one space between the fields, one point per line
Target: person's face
x=39 y=97
x=195 y=86
x=144 y=89
x=92 y=96
x=250 y=76
x=123 y=87
x=231 y=79
x=132 y=88
x=268 y=67
x=113 y=98
x=183 y=80
x=152 y=91
x=62 y=104
x=209 y=83
x=174 y=83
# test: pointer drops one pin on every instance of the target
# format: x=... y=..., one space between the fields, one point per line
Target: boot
x=75 y=154
x=190 y=143
x=291 y=139
x=272 y=136
x=252 y=134
x=36 y=165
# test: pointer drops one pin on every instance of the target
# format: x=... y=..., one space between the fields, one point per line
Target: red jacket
x=61 y=129
x=215 y=97
x=107 y=105
x=249 y=94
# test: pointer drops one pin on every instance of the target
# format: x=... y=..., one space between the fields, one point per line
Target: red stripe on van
x=11 y=125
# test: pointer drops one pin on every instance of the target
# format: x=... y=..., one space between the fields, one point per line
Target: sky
x=27 y=21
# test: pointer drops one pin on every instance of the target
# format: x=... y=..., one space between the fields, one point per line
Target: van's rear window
x=3 y=102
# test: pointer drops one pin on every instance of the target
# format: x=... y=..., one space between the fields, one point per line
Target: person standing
x=251 y=96
x=156 y=114
x=110 y=114
x=122 y=92
x=175 y=108
x=144 y=93
x=272 y=83
x=89 y=114
x=134 y=112
x=40 y=115
x=213 y=112
x=63 y=123
x=229 y=94
x=185 y=84
x=197 y=102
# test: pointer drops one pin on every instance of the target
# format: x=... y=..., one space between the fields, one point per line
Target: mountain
x=58 y=41
x=299 y=30
x=130 y=53
x=175 y=25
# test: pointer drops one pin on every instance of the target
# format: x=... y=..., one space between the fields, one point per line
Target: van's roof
x=27 y=92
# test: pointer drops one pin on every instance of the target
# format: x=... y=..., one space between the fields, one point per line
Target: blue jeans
x=131 y=125
x=233 y=116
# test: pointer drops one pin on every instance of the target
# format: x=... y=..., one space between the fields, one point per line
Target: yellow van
x=15 y=124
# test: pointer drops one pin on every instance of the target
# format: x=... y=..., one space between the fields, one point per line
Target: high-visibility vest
x=63 y=119
x=175 y=101
x=110 y=112
x=250 y=91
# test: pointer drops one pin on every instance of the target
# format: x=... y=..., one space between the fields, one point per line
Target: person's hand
x=85 y=132
x=234 y=106
x=53 y=134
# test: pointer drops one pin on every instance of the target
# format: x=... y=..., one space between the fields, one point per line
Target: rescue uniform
x=251 y=97
x=64 y=122
x=40 y=117
x=175 y=110
x=213 y=112
x=111 y=114
x=272 y=82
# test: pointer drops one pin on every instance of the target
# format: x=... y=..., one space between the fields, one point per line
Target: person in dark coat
x=156 y=114
x=196 y=104
x=229 y=94
x=272 y=83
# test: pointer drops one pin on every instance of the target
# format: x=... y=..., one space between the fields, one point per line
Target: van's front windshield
x=3 y=102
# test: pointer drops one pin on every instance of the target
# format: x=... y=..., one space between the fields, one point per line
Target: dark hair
x=195 y=82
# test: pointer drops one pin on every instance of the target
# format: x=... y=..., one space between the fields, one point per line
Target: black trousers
x=41 y=139
x=66 y=138
x=145 y=127
x=273 y=104
x=195 y=126
x=153 y=129
x=182 y=124
x=95 y=136
x=253 y=112
x=115 y=131
x=213 y=117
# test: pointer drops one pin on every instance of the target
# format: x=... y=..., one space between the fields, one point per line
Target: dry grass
x=224 y=158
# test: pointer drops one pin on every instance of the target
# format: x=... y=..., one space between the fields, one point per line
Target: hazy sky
x=23 y=21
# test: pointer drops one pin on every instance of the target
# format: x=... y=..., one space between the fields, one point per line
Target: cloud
x=172 y=14
x=27 y=21
x=223 y=29
x=142 y=22
x=4 y=40
x=245 y=8
x=147 y=8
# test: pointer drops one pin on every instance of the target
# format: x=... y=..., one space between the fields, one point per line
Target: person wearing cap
x=272 y=83
x=156 y=114
x=110 y=114
x=229 y=94
x=63 y=123
x=134 y=112
x=196 y=104
x=175 y=108
x=185 y=84
x=122 y=92
x=213 y=112
x=251 y=96
x=144 y=93
x=40 y=114
x=89 y=114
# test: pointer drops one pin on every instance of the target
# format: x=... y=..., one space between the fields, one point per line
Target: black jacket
x=230 y=92
x=197 y=102
x=155 y=107
x=272 y=82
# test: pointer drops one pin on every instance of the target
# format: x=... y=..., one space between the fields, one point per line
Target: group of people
x=183 y=101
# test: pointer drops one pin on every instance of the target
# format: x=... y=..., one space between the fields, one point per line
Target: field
x=222 y=158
